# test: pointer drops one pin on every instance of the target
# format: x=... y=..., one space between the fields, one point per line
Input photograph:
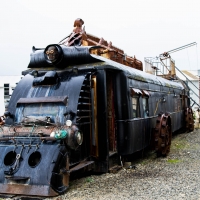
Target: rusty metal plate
x=30 y=190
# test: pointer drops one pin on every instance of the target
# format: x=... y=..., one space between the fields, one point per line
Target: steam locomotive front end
x=36 y=164
x=32 y=166
x=35 y=149
x=41 y=140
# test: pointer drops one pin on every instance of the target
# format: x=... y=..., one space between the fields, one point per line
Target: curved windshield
x=54 y=111
x=41 y=109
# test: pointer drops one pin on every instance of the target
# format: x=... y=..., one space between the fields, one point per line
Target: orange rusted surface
x=163 y=134
x=100 y=46
x=30 y=190
x=2 y=118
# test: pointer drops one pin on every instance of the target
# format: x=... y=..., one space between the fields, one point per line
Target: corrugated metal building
x=191 y=77
x=7 y=85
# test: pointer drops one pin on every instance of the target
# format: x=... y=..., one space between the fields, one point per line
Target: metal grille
x=84 y=110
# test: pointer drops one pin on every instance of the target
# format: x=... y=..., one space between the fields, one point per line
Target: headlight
x=68 y=122
x=72 y=136
x=78 y=138
x=52 y=134
x=53 y=53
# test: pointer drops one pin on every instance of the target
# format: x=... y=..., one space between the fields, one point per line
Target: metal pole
x=183 y=47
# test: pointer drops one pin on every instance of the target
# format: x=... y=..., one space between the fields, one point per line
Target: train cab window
x=40 y=111
x=135 y=106
x=145 y=103
x=145 y=107
x=135 y=94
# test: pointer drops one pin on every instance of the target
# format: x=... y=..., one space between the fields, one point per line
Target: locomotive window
x=145 y=107
x=135 y=106
x=41 y=109
x=54 y=110
x=145 y=103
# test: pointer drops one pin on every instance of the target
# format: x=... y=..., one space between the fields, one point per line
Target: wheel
x=163 y=134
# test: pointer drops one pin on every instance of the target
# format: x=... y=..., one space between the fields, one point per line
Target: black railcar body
x=77 y=112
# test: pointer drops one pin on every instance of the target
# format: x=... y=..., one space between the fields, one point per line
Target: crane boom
x=182 y=47
x=165 y=54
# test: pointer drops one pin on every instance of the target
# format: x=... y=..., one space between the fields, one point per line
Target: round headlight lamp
x=78 y=137
x=52 y=134
x=53 y=53
x=72 y=136
x=68 y=122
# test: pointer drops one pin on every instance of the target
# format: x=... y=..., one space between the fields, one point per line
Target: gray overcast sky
x=144 y=28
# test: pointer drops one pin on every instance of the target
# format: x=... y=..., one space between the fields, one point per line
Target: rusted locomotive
x=76 y=108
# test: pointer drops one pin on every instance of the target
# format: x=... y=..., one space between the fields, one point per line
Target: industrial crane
x=171 y=69
x=164 y=66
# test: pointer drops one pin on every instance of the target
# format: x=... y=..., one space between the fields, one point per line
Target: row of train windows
x=144 y=112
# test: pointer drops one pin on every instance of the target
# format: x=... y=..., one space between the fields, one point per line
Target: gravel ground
x=173 y=177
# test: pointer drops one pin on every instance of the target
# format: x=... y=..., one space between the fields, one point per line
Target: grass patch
x=89 y=180
x=173 y=161
x=144 y=162
x=179 y=145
